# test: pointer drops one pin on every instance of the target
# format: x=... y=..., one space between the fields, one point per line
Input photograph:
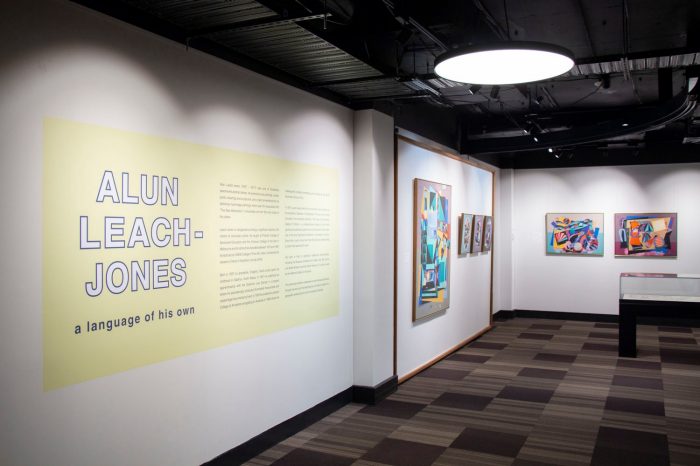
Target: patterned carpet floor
x=530 y=392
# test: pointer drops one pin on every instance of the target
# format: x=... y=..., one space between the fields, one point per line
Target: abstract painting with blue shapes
x=432 y=247
x=575 y=234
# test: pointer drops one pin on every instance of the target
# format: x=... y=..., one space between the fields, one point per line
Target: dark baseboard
x=274 y=435
x=286 y=429
x=373 y=395
x=503 y=315
x=532 y=314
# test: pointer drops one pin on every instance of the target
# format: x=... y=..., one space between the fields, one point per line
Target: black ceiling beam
x=259 y=23
x=419 y=77
x=144 y=20
x=415 y=95
x=670 y=152
x=586 y=28
x=407 y=20
x=679 y=107
x=665 y=83
x=638 y=55
x=338 y=82
x=352 y=46
x=492 y=23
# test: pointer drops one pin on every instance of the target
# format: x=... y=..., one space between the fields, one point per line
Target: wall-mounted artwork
x=466 y=223
x=488 y=233
x=575 y=234
x=646 y=235
x=478 y=235
x=432 y=248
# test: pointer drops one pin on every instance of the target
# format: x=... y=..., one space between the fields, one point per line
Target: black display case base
x=630 y=309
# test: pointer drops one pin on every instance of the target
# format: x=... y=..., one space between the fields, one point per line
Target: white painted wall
x=60 y=60
x=419 y=342
x=590 y=284
x=374 y=248
x=503 y=242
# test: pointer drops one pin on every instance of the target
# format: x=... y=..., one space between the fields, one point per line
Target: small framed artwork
x=431 y=240
x=466 y=223
x=488 y=233
x=478 y=235
x=574 y=234
x=646 y=235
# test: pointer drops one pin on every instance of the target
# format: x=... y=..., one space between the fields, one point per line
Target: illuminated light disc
x=505 y=63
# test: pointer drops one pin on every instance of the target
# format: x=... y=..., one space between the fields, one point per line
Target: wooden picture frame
x=574 y=234
x=466 y=224
x=478 y=235
x=431 y=245
x=488 y=233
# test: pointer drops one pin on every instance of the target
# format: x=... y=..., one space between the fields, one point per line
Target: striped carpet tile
x=530 y=392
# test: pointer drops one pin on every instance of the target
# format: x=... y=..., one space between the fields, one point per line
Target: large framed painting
x=646 y=235
x=478 y=235
x=466 y=223
x=488 y=233
x=574 y=234
x=432 y=247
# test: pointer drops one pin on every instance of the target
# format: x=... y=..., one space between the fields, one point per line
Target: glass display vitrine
x=660 y=287
x=657 y=295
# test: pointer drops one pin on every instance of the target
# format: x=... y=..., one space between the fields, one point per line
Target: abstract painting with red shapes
x=646 y=235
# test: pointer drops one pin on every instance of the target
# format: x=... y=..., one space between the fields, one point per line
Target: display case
x=660 y=287
x=655 y=295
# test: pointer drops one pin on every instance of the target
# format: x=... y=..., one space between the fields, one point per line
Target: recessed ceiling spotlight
x=504 y=63
x=557 y=155
x=625 y=125
x=534 y=138
x=550 y=150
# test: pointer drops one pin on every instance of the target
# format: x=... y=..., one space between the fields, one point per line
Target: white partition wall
x=88 y=68
x=374 y=248
x=470 y=276
x=591 y=284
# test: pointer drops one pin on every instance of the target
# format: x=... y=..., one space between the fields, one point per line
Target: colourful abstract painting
x=575 y=234
x=432 y=244
x=488 y=233
x=646 y=235
x=478 y=236
x=465 y=233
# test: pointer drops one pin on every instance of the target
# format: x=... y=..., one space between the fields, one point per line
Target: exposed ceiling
x=627 y=99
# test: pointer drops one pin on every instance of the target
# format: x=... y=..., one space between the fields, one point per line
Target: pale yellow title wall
x=211 y=246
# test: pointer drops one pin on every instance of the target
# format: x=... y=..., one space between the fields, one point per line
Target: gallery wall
x=470 y=275
x=587 y=284
x=61 y=61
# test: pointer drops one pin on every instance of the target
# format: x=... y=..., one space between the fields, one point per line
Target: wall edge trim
x=444 y=354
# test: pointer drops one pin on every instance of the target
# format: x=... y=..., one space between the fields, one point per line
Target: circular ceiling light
x=504 y=63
